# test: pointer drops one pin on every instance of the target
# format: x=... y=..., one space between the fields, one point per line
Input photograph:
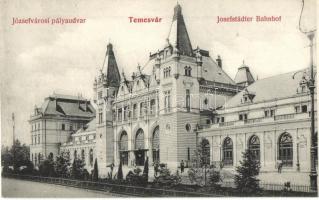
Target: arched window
x=155 y=145
x=139 y=148
x=123 y=147
x=91 y=157
x=75 y=154
x=35 y=159
x=139 y=140
x=285 y=149
x=254 y=147
x=205 y=152
x=228 y=152
x=83 y=155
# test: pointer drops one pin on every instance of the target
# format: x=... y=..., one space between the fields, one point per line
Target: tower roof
x=244 y=76
x=110 y=68
x=178 y=36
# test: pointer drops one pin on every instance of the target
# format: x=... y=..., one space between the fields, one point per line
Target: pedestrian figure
x=182 y=166
x=280 y=166
x=156 y=165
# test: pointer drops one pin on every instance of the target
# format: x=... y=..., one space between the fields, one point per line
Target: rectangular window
x=272 y=113
x=240 y=117
x=266 y=113
x=39 y=139
x=188 y=154
x=217 y=120
x=188 y=105
x=297 y=109
x=100 y=118
x=71 y=127
x=100 y=95
x=222 y=119
x=152 y=111
x=135 y=111
x=119 y=114
x=125 y=113
x=304 y=108
x=63 y=127
x=167 y=101
x=142 y=109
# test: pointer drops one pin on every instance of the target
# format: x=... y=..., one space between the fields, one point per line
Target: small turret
x=244 y=76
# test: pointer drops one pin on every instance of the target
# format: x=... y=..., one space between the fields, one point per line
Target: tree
x=199 y=172
x=77 y=169
x=145 y=171
x=95 y=175
x=17 y=156
x=120 y=172
x=46 y=168
x=62 y=166
x=246 y=178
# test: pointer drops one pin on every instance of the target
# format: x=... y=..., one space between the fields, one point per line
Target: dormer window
x=269 y=112
x=248 y=96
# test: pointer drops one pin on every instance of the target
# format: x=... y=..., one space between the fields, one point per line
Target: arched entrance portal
x=155 y=145
x=139 y=148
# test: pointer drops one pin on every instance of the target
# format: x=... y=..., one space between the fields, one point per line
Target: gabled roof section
x=71 y=106
x=267 y=89
x=212 y=72
x=89 y=127
x=110 y=68
x=178 y=36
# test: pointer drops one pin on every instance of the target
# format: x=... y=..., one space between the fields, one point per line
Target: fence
x=276 y=187
x=113 y=188
x=269 y=189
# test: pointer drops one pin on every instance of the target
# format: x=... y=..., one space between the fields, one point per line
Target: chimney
x=55 y=102
x=219 y=61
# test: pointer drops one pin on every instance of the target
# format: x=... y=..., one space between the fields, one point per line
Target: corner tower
x=105 y=87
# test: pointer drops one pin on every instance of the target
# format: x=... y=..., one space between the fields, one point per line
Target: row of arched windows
x=139 y=146
x=285 y=149
x=82 y=156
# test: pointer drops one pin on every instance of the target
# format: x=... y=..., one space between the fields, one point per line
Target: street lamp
x=311 y=86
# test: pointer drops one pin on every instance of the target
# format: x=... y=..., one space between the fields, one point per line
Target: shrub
x=165 y=178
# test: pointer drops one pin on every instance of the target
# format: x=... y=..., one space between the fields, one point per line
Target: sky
x=39 y=59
